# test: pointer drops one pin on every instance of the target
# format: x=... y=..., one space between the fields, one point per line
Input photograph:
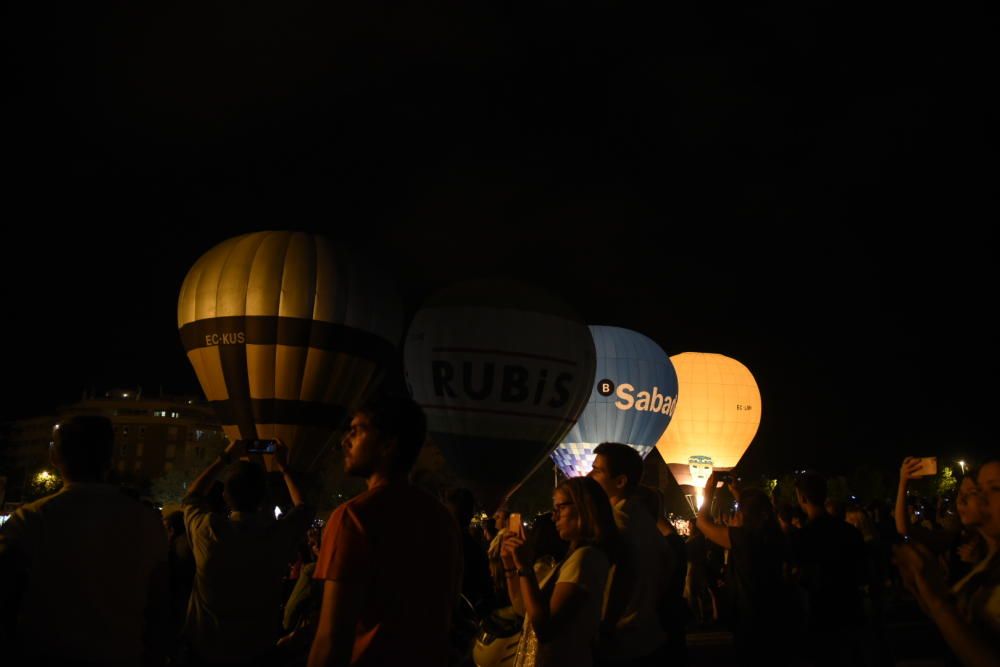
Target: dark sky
x=796 y=186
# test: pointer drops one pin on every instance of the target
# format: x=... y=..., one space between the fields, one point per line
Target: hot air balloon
x=287 y=335
x=633 y=399
x=716 y=418
x=502 y=371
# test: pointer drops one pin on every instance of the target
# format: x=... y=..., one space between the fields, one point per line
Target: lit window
x=175 y=415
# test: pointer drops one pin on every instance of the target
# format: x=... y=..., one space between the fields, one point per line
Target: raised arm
x=718 y=533
x=511 y=578
x=906 y=472
x=203 y=483
x=281 y=464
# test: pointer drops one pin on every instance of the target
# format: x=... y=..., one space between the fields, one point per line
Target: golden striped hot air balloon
x=287 y=335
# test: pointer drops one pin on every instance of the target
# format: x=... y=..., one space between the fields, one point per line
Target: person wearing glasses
x=562 y=609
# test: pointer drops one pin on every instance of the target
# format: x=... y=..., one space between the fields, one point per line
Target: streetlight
x=962 y=463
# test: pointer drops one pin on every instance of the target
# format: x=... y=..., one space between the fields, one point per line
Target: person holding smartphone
x=240 y=559
x=912 y=468
x=756 y=546
x=968 y=613
x=962 y=549
x=562 y=609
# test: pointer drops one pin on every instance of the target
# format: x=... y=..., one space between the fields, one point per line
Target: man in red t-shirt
x=391 y=560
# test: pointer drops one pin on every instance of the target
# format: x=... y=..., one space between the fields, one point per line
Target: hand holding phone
x=258 y=446
x=514 y=524
x=280 y=452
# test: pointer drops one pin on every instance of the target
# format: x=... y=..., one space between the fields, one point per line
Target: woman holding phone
x=961 y=550
x=968 y=613
x=562 y=608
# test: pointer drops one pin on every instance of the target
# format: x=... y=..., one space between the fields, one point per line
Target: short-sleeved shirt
x=403 y=547
x=84 y=557
x=235 y=608
x=586 y=568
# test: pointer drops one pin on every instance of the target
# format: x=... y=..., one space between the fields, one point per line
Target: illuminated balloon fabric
x=502 y=371
x=287 y=335
x=716 y=418
x=634 y=396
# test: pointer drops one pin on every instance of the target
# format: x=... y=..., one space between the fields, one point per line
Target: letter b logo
x=605 y=387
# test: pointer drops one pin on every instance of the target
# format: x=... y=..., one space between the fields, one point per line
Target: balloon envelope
x=502 y=371
x=632 y=401
x=287 y=335
x=716 y=418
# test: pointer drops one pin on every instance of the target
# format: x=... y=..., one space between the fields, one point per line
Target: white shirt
x=587 y=568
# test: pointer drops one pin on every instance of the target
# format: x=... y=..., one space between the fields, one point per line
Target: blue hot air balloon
x=634 y=397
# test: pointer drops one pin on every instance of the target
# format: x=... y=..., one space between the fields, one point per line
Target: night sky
x=798 y=187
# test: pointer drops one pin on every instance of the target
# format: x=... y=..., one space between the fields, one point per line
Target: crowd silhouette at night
x=91 y=576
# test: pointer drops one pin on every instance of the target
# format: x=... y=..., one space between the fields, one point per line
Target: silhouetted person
x=389 y=589
x=830 y=556
x=181 y=567
x=631 y=634
x=302 y=607
x=83 y=572
x=698 y=589
x=836 y=508
x=241 y=559
x=672 y=607
x=756 y=586
x=477 y=585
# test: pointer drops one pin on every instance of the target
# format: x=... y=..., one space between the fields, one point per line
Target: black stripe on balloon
x=292 y=331
x=280 y=411
x=234 y=371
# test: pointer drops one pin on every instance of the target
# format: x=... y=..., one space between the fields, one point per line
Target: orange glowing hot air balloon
x=718 y=412
x=287 y=335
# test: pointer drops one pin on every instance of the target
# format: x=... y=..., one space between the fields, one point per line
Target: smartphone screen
x=928 y=466
x=514 y=523
x=259 y=446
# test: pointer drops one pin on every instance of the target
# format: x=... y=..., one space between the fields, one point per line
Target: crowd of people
x=92 y=576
